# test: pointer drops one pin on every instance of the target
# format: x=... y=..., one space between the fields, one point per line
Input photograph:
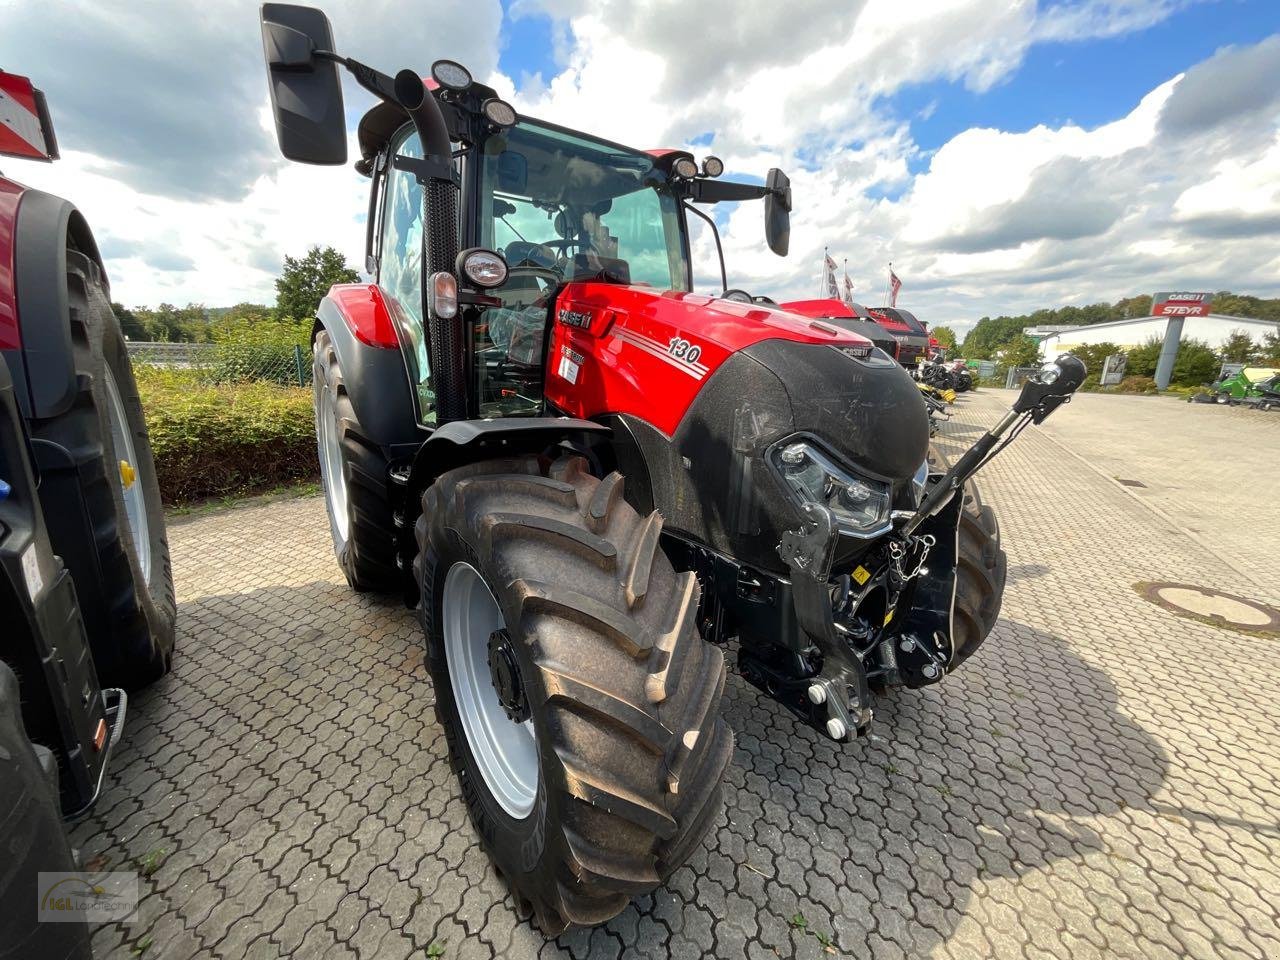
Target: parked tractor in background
x=86 y=594
x=1255 y=386
x=846 y=316
x=589 y=478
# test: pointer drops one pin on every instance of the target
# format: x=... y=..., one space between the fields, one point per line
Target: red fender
x=364 y=307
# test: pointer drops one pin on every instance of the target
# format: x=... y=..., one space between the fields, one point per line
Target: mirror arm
x=375 y=81
x=718 y=191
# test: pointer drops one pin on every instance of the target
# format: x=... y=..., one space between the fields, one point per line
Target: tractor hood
x=704 y=388
x=729 y=324
x=662 y=345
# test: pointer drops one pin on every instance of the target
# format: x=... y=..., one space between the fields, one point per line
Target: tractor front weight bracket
x=838 y=697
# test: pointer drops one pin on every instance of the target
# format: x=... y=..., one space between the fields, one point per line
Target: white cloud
x=1242 y=198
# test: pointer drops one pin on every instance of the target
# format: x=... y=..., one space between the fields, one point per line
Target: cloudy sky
x=1004 y=154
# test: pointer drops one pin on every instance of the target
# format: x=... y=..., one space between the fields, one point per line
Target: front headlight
x=861 y=505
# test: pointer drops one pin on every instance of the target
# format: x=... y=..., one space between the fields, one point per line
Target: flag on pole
x=829 y=276
x=894 y=286
x=848 y=288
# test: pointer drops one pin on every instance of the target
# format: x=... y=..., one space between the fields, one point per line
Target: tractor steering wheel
x=737 y=296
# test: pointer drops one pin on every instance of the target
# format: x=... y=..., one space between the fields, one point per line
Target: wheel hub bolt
x=835 y=728
x=504 y=674
x=817 y=693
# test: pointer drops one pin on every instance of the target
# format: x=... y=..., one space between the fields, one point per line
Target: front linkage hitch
x=917 y=564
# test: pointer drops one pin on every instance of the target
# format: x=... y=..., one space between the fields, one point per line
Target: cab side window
x=400 y=263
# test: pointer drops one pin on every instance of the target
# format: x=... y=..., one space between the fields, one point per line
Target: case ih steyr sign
x=1180 y=304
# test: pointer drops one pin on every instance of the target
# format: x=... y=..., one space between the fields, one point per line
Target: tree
x=1269 y=352
x=946 y=338
x=990 y=334
x=1197 y=363
x=1143 y=359
x=130 y=324
x=1139 y=306
x=1242 y=305
x=1021 y=352
x=1239 y=348
x=1095 y=355
x=303 y=282
x=171 y=324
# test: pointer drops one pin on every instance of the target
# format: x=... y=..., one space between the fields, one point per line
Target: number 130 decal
x=682 y=349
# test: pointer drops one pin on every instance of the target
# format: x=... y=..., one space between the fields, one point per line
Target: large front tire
x=598 y=665
x=981 y=570
x=980 y=577
x=101 y=497
x=353 y=472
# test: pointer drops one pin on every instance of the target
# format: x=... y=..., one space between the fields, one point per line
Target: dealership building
x=1214 y=329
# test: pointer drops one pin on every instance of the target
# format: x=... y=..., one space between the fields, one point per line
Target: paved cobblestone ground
x=1102 y=779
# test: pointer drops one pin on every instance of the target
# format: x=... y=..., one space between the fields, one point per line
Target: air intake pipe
x=439 y=241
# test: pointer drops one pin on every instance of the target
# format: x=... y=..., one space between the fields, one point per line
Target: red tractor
x=86 y=595
x=588 y=478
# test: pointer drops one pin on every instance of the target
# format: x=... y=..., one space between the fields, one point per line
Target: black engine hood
x=869 y=412
x=711 y=479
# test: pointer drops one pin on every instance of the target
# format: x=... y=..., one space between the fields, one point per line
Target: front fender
x=43 y=366
x=462 y=442
x=374 y=372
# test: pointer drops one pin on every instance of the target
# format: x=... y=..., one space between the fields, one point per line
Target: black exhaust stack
x=439 y=239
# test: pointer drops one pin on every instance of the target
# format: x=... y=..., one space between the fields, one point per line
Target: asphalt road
x=1102 y=779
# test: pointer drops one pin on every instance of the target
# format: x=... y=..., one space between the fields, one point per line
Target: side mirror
x=777 y=212
x=306 y=94
x=286 y=48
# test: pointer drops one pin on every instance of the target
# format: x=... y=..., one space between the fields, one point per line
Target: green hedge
x=219 y=440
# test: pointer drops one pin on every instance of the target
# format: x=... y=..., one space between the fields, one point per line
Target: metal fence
x=233 y=362
x=1016 y=375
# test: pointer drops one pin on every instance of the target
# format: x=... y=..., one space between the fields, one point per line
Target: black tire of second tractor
x=623 y=692
x=129 y=619
x=367 y=554
x=981 y=570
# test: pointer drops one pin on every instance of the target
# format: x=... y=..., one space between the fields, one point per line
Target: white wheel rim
x=331 y=472
x=505 y=751
x=128 y=470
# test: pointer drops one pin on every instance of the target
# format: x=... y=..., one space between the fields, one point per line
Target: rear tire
x=620 y=692
x=97 y=467
x=353 y=473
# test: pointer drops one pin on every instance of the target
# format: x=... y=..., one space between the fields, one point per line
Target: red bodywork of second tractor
x=10 y=196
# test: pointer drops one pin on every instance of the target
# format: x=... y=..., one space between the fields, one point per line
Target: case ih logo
x=1180 y=304
x=575 y=318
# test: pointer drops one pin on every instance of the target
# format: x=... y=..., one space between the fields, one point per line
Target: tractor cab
x=558 y=206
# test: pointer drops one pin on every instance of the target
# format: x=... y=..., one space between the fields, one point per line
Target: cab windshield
x=561 y=207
